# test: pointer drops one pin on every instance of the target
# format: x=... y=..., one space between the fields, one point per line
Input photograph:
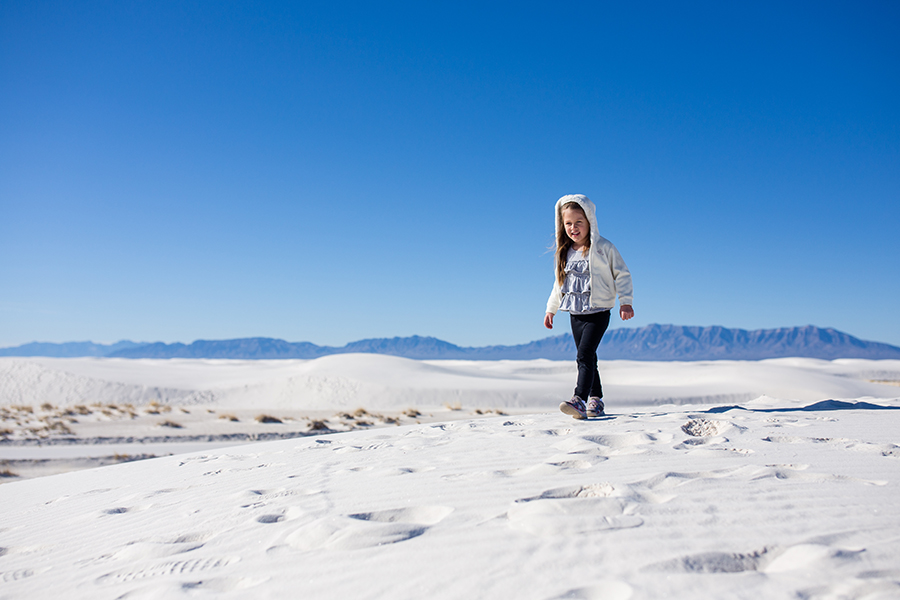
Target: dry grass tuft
x=59 y=427
x=171 y=424
x=155 y=408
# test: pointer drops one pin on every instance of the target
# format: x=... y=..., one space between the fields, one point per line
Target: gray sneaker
x=574 y=408
x=595 y=407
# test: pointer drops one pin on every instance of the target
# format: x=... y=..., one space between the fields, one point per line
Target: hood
x=589 y=210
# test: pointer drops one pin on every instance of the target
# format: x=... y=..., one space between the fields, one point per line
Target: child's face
x=577 y=227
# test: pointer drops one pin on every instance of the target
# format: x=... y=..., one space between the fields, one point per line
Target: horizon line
x=397 y=337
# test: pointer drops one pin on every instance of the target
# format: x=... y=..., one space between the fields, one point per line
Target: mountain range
x=652 y=342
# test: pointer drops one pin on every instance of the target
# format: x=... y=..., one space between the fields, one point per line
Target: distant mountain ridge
x=652 y=342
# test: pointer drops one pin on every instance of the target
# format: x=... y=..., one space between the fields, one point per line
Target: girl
x=589 y=274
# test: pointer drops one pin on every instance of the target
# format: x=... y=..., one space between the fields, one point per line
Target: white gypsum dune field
x=347 y=381
x=768 y=479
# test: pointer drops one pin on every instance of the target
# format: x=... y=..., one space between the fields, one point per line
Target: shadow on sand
x=818 y=406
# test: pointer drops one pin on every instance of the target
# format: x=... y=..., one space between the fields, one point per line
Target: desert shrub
x=231 y=418
x=171 y=424
x=412 y=413
x=268 y=419
x=317 y=425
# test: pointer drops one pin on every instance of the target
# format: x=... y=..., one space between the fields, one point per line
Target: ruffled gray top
x=576 y=289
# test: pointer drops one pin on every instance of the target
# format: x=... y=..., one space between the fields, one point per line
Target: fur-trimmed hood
x=587 y=206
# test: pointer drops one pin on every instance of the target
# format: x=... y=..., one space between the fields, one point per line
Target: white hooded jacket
x=609 y=273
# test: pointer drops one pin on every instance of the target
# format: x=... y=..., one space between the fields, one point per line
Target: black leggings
x=588 y=330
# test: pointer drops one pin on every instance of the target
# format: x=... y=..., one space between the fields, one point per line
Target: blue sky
x=327 y=171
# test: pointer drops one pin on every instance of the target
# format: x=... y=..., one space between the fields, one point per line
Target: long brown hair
x=564 y=242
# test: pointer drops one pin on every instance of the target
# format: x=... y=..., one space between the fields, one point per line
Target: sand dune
x=388 y=382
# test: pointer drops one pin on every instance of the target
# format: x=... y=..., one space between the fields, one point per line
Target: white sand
x=794 y=495
x=348 y=381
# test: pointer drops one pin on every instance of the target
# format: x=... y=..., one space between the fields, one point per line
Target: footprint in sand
x=366 y=530
x=705 y=427
x=124 y=509
x=573 y=510
x=422 y=515
x=766 y=560
x=269 y=519
x=116 y=511
x=176 y=568
x=18 y=575
x=713 y=562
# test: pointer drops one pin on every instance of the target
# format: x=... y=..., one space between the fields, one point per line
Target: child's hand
x=548 y=320
x=626 y=312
